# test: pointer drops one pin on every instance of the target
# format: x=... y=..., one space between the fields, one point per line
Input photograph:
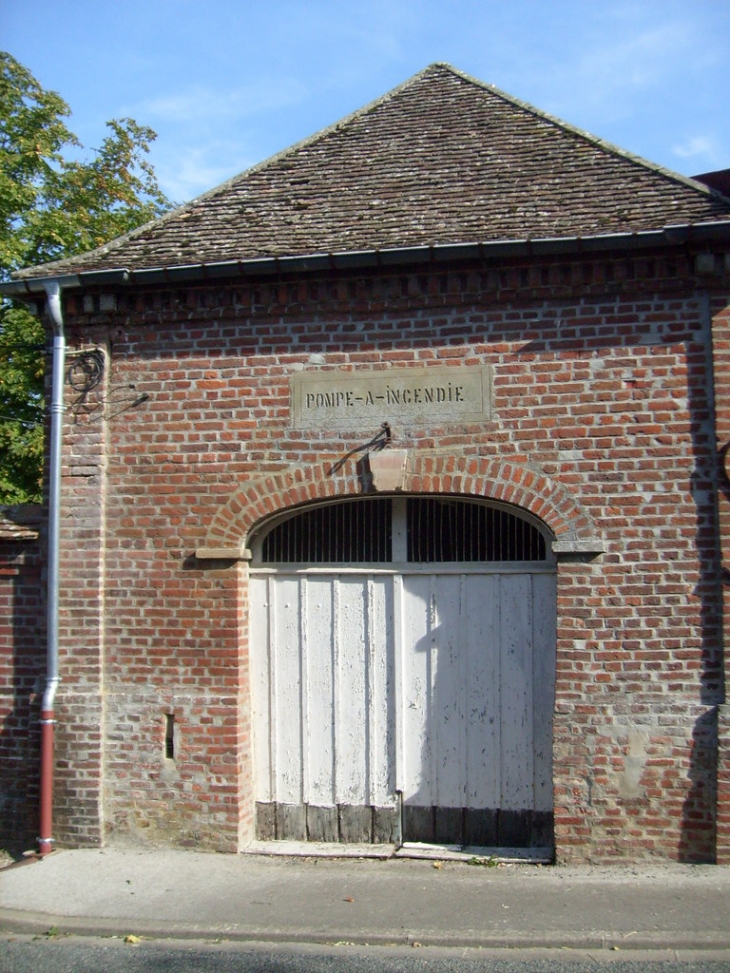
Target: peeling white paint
x=439 y=686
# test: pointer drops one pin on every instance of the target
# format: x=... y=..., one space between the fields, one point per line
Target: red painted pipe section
x=45 y=841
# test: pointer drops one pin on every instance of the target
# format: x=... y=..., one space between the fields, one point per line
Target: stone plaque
x=364 y=399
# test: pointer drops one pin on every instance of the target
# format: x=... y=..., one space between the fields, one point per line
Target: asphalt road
x=28 y=954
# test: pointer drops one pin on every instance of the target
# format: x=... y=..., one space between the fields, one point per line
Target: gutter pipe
x=48 y=720
x=673 y=235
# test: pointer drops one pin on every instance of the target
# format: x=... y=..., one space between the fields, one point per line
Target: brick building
x=393 y=504
x=22 y=668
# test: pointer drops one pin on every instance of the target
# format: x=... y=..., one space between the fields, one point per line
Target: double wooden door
x=404 y=703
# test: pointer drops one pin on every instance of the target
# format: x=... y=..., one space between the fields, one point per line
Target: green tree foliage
x=22 y=366
x=52 y=205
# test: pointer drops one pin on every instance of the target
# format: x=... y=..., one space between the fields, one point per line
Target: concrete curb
x=12 y=921
x=166 y=895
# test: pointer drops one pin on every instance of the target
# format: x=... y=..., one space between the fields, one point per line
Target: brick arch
x=515 y=483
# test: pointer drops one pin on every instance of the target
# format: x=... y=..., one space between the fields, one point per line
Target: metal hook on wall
x=380 y=441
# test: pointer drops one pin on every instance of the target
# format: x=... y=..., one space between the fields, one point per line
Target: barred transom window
x=414 y=529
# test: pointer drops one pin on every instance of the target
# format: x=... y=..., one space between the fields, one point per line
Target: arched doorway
x=403 y=660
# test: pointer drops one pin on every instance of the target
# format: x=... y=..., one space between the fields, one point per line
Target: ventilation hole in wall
x=170 y=736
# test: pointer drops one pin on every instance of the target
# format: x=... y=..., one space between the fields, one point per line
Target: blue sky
x=227 y=83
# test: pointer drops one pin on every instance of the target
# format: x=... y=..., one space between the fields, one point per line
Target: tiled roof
x=21 y=522
x=441 y=159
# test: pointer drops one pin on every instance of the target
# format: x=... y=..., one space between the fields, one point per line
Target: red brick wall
x=22 y=671
x=602 y=424
x=721 y=354
x=80 y=699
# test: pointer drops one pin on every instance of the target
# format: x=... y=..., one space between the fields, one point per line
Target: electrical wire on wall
x=85 y=376
x=86 y=371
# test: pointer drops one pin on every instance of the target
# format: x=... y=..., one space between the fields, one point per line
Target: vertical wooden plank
x=482 y=652
x=356 y=824
x=429 y=731
x=351 y=666
x=291 y=822
x=272 y=599
x=337 y=704
x=480 y=827
x=544 y=661
x=416 y=689
x=516 y=685
x=381 y=770
x=448 y=825
x=260 y=661
x=286 y=692
x=398 y=684
x=462 y=687
x=358 y=724
x=388 y=790
x=419 y=823
x=372 y=712
x=386 y=825
x=305 y=689
x=514 y=828
x=322 y=823
x=266 y=821
x=320 y=664
x=445 y=723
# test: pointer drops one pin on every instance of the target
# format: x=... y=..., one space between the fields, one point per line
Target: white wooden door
x=477 y=681
x=322 y=676
x=397 y=705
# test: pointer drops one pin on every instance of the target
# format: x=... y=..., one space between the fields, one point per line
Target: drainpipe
x=48 y=721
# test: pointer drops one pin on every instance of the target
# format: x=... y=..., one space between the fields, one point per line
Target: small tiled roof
x=441 y=159
x=20 y=522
